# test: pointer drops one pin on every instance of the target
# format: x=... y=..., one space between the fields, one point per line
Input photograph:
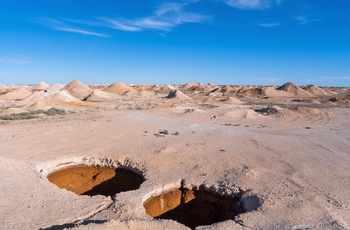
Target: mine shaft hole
x=193 y=208
x=95 y=180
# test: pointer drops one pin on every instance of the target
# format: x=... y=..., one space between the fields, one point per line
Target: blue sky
x=253 y=42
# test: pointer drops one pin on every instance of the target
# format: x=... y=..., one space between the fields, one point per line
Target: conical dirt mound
x=232 y=100
x=316 y=90
x=41 y=86
x=99 y=96
x=54 y=87
x=17 y=94
x=294 y=90
x=77 y=89
x=176 y=94
x=118 y=88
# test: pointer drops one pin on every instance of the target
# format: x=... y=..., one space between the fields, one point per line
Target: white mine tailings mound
x=271 y=91
x=99 y=96
x=294 y=91
x=77 y=89
x=47 y=99
x=232 y=100
x=17 y=94
x=54 y=87
x=118 y=88
x=41 y=86
x=316 y=90
x=176 y=94
x=121 y=88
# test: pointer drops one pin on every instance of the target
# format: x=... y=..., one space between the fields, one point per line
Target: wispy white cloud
x=16 y=60
x=124 y=25
x=304 y=20
x=166 y=17
x=79 y=31
x=252 y=4
x=152 y=23
x=64 y=25
x=330 y=80
x=339 y=78
x=269 y=25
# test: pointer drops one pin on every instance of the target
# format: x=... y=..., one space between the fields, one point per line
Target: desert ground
x=193 y=156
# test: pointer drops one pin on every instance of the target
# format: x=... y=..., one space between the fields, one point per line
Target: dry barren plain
x=190 y=156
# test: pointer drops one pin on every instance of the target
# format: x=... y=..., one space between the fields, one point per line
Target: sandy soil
x=282 y=153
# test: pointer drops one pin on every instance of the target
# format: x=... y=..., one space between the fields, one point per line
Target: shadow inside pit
x=95 y=180
x=124 y=180
x=194 y=208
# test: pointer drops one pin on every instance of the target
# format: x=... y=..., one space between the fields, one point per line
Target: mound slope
x=118 y=88
x=17 y=94
x=316 y=90
x=99 y=96
x=41 y=86
x=294 y=91
x=77 y=89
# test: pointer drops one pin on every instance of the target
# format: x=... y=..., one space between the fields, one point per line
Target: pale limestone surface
x=296 y=163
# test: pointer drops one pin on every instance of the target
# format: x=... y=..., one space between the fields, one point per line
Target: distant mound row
x=75 y=93
x=287 y=90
